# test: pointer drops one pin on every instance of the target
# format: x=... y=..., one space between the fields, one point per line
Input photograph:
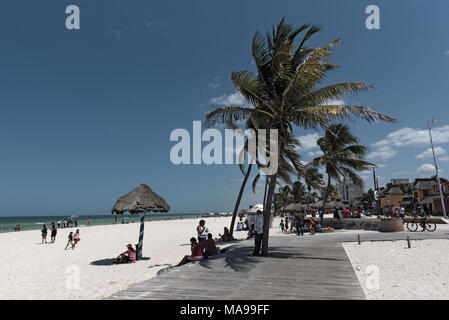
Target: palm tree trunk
x=308 y=199
x=265 y=192
x=239 y=198
x=327 y=192
x=267 y=214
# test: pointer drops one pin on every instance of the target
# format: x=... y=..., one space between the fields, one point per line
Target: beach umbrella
x=140 y=201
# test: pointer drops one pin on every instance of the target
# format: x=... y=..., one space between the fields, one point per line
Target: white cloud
x=386 y=148
x=235 y=99
x=314 y=154
x=334 y=102
x=426 y=169
x=428 y=153
x=382 y=153
x=308 y=141
x=414 y=137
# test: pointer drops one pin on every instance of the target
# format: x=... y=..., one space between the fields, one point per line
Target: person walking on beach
x=76 y=238
x=59 y=223
x=89 y=221
x=70 y=240
x=53 y=233
x=281 y=225
x=202 y=231
x=44 y=232
x=258 y=231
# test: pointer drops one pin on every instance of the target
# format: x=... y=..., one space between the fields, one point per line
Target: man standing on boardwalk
x=258 y=230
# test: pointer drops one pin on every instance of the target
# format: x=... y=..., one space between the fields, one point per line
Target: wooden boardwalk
x=295 y=270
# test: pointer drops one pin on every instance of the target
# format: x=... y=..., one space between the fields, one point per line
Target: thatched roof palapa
x=294 y=207
x=141 y=199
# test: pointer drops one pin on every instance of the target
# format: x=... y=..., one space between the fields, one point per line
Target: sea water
x=7 y=224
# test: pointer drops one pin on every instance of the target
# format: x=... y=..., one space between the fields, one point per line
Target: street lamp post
x=436 y=170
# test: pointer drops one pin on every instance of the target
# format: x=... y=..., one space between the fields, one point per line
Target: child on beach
x=76 y=238
x=44 y=234
x=281 y=225
x=197 y=253
x=70 y=240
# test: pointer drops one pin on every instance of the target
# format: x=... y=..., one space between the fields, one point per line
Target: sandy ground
x=389 y=270
x=31 y=270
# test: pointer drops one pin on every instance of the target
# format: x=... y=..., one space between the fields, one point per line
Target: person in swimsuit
x=76 y=238
x=202 y=231
x=197 y=253
x=70 y=240
x=53 y=234
x=44 y=232
x=128 y=256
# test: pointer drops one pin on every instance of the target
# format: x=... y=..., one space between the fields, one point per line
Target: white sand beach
x=389 y=270
x=31 y=270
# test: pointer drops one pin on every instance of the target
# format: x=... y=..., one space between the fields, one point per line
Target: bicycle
x=415 y=224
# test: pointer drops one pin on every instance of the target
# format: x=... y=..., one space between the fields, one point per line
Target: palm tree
x=342 y=156
x=312 y=177
x=285 y=93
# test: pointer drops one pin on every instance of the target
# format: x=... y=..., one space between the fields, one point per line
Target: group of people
x=73 y=239
x=204 y=245
x=301 y=223
x=44 y=232
x=68 y=223
x=398 y=212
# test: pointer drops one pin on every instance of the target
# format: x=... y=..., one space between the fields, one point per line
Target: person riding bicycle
x=424 y=216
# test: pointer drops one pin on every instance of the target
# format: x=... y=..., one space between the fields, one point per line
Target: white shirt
x=258 y=225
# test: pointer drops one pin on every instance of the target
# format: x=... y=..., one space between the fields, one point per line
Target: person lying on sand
x=197 y=253
x=128 y=256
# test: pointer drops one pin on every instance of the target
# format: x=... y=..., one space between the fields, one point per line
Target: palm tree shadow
x=241 y=259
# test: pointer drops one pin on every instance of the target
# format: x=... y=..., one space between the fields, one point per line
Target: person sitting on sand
x=44 y=232
x=128 y=256
x=70 y=240
x=209 y=247
x=239 y=226
x=197 y=253
x=226 y=235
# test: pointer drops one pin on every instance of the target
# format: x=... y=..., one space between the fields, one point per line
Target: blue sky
x=86 y=115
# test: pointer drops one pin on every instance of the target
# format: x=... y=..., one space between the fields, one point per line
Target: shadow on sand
x=108 y=262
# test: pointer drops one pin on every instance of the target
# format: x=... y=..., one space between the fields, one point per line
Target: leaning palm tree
x=312 y=177
x=286 y=93
x=342 y=156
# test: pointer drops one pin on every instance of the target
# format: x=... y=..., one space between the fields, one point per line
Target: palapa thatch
x=294 y=207
x=141 y=199
x=335 y=204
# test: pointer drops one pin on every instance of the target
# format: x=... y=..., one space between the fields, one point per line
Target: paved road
x=309 y=267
